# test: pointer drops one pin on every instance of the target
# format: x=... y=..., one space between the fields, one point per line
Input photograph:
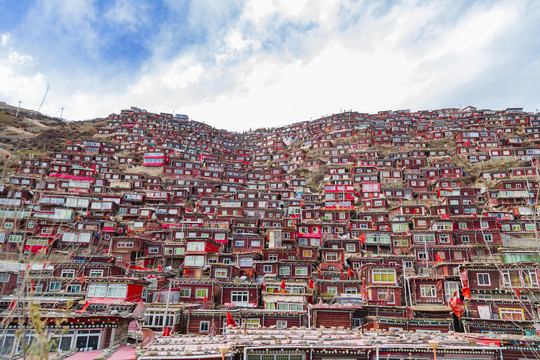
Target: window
x=284 y=270
x=484 y=225
x=251 y=323
x=488 y=237
x=68 y=273
x=96 y=290
x=219 y=237
x=239 y=243
x=255 y=243
x=239 y=296
x=281 y=324
x=246 y=262
x=201 y=293
x=483 y=279
x=385 y=295
x=421 y=238
x=332 y=290
x=204 y=326
x=331 y=256
x=383 y=275
x=428 y=291
x=185 y=292
x=220 y=273
x=117 y=291
x=4 y=277
x=465 y=238
x=421 y=255
x=350 y=247
x=441 y=254
x=301 y=271
x=307 y=253
x=530 y=278
x=54 y=286
x=511 y=314
x=15 y=239
x=408 y=264
x=73 y=288
x=197 y=261
x=267 y=268
x=444 y=238
x=96 y=273
x=462 y=226
x=195 y=246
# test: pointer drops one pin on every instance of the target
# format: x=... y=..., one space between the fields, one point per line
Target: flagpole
x=167 y=306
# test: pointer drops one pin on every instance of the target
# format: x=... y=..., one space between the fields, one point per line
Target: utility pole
x=17 y=114
x=61 y=113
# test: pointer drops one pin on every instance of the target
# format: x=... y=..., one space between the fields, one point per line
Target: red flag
x=282 y=287
x=457 y=309
x=311 y=284
x=85 y=306
x=341 y=274
x=146 y=252
x=319 y=271
x=158 y=297
x=439 y=285
x=263 y=286
x=33 y=285
x=362 y=238
x=438 y=258
x=409 y=313
x=466 y=291
x=517 y=293
x=12 y=305
x=45 y=264
x=349 y=272
x=167 y=331
x=159 y=267
x=230 y=320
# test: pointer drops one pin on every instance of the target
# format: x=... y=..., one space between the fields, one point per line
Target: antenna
x=61 y=113
x=44 y=97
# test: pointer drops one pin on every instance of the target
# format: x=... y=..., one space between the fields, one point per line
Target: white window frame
x=428 y=291
x=481 y=277
x=240 y=297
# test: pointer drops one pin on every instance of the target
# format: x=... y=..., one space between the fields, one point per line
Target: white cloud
x=286 y=61
x=182 y=73
x=129 y=14
x=4 y=39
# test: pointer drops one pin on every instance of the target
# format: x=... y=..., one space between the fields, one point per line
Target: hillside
x=397 y=223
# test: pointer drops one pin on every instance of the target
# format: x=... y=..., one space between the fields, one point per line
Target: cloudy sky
x=242 y=64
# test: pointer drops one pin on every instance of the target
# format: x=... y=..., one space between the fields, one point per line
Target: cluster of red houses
x=401 y=221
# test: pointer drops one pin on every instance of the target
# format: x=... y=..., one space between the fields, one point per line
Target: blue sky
x=242 y=64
